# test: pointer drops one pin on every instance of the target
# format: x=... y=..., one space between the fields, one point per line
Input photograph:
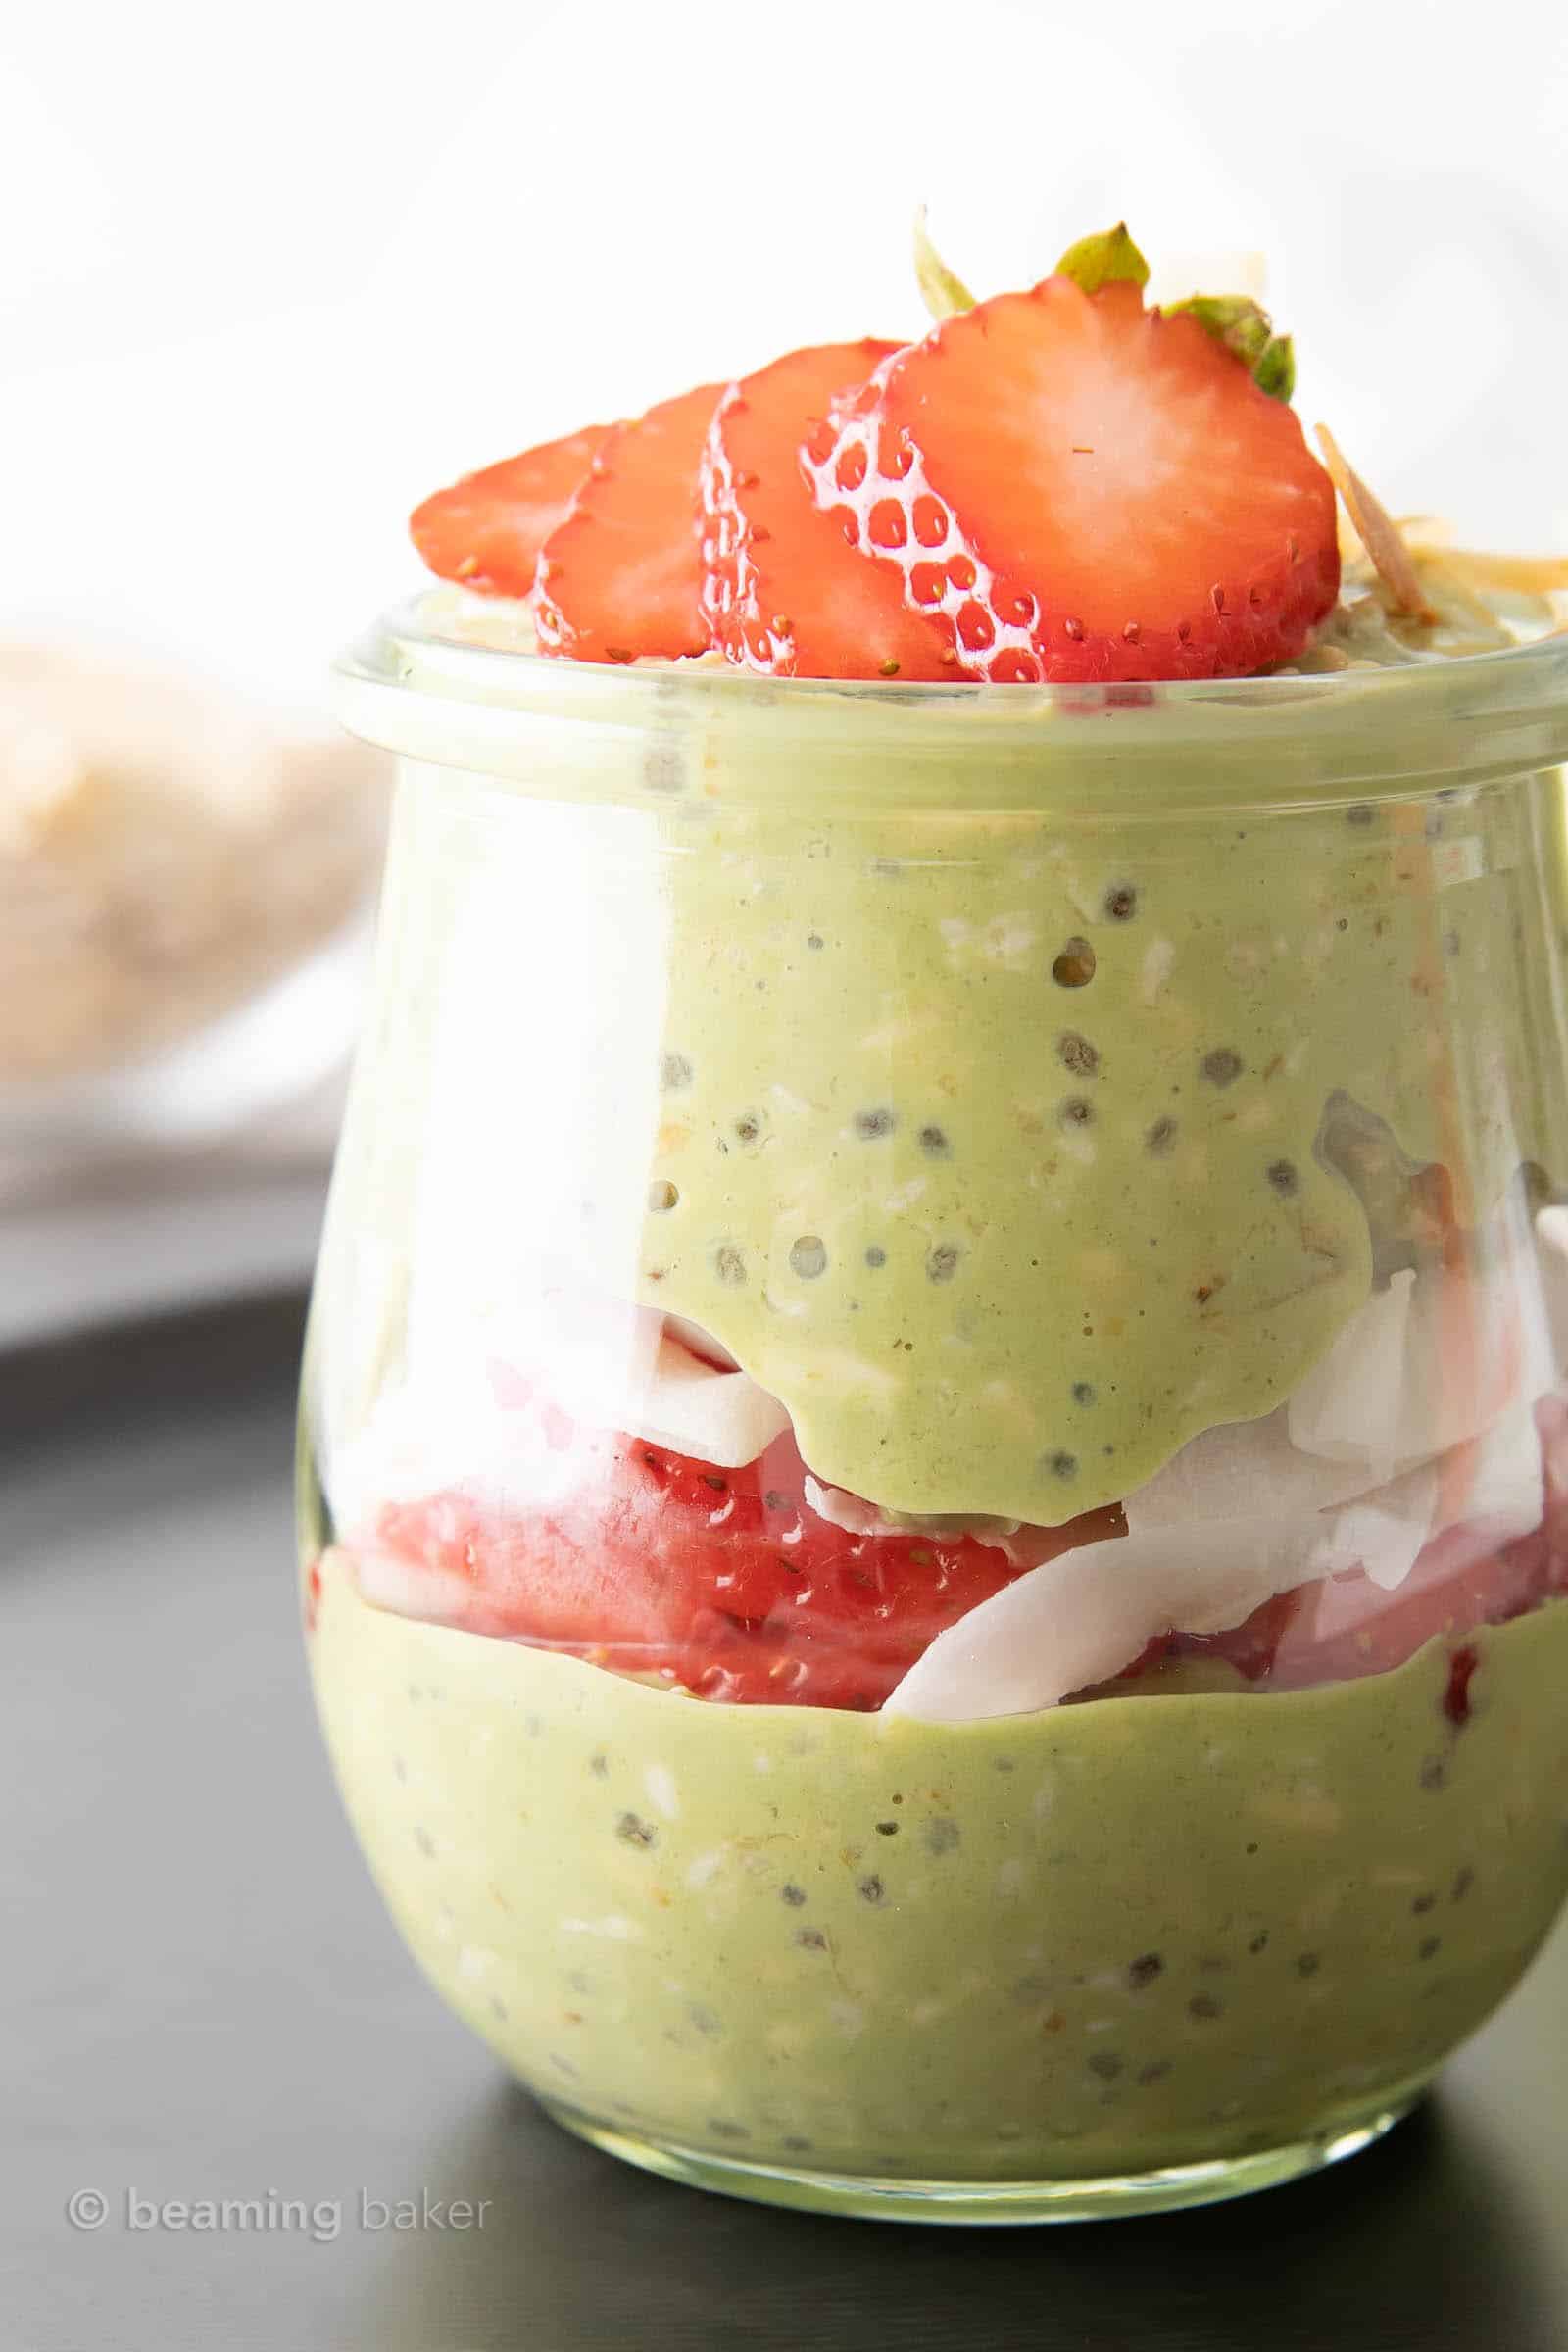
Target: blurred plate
x=118 y=1246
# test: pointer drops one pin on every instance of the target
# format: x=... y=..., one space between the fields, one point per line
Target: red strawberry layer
x=785 y=592
x=621 y=576
x=1085 y=489
x=487 y=529
x=725 y=1580
x=728 y=1582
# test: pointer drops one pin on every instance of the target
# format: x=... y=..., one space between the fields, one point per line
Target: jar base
x=991 y=2203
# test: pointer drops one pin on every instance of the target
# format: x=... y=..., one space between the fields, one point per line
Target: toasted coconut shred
x=1378 y=533
x=1408 y=595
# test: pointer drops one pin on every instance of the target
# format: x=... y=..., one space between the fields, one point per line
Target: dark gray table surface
x=203 y=2001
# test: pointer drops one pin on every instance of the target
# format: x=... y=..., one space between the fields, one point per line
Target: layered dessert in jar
x=936 y=1442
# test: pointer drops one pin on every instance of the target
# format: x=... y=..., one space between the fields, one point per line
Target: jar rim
x=414 y=688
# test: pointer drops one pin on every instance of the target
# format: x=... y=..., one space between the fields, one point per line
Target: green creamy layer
x=963 y=1063
x=989 y=1141
x=1101 y=1939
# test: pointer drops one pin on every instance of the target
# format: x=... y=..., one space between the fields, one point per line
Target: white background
x=270 y=274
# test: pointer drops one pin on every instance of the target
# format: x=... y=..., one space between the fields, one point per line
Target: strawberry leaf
x=942 y=292
x=1108 y=260
x=1242 y=327
x=1234 y=319
x=1275 y=370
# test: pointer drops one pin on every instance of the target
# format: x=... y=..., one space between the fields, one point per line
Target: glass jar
x=934 y=1481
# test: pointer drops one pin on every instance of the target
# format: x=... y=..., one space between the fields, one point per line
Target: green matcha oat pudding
x=935 y=1444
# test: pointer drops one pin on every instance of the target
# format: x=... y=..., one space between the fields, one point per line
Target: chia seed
x=876 y=1255
x=1307 y=1964
x=1121 y=902
x=871 y=1888
x=674 y=1072
x=1076 y=1111
x=662 y=1195
x=792 y=1894
x=1144 y=1969
x=730 y=1264
x=942 y=1262
x=871 y=1125
x=941 y=1835
x=1222 y=1067
x=808 y=1256
x=934 y=1140
x=1283 y=1176
x=634 y=1831
x=1083 y=1392
x=1204 y=2006
x=1074 y=967
x=1161 y=1139
x=1106 y=2064
x=1062 y=1464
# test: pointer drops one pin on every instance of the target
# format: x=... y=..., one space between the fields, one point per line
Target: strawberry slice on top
x=487 y=530
x=1085 y=489
x=785 y=593
x=621 y=576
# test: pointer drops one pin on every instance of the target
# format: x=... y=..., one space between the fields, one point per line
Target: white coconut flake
x=1085 y=1614
x=1080 y=1618
x=1241 y=1469
x=1346 y=1397
x=719 y=1417
x=1435 y=1357
x=1382 y=1533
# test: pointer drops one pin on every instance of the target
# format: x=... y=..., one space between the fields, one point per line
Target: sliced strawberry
x=784 y=592
x=622 y=575
x=725 y=1580
x=487 y=529
x=1085 y=489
